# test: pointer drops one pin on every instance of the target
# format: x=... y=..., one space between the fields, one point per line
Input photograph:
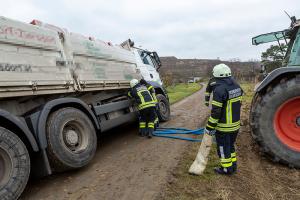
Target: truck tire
x=275 y=122
x=164 y=111
x=71 y=138
x=14 y=165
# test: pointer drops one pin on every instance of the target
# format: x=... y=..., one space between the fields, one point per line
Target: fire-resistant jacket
x=151 y=89
x=142 y=96
x=226 y=106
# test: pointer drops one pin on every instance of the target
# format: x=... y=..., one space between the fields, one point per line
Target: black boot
x=222 y=171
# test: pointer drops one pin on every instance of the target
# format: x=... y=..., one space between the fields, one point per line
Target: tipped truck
x=58 y=92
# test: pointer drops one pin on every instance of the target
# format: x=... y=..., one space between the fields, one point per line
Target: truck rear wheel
x=163 y=108
x=72 y=139
x=14 y=165
x=275 y=122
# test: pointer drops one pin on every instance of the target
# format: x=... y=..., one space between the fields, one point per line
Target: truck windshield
x=269 y=37
x=147 y=59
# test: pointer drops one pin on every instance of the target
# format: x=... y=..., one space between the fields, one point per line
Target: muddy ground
x=126 y=166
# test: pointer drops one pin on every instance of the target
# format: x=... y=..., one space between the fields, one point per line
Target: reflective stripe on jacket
x=151 y=89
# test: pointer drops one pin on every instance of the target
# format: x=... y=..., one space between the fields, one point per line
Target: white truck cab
x=147 y=65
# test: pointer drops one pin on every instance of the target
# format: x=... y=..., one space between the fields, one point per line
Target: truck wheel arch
x=159 y=89
x=55 y=105
x=18 y=127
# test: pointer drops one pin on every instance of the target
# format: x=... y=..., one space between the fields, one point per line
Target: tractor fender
x=280 y=72
x=56 y=104
x=159 y=88
x=21 y=127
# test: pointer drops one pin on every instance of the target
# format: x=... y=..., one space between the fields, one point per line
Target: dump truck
x=275 y=108
x=58 y=92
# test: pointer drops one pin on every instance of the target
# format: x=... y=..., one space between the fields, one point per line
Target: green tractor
x=275 y=109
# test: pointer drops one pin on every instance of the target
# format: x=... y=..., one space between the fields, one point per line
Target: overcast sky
x=184 y=28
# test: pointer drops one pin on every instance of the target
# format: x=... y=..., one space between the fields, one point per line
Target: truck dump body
x=38 y=60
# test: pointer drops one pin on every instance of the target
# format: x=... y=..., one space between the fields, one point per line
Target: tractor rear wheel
x=275 y=122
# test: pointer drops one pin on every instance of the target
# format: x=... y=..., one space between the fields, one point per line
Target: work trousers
x=147 y=118
x=156 y=121
x=226 y=150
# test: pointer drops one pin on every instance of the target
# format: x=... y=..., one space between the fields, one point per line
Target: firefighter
x=152 y=91
x=224 y=121
x=146 y=105
x=209 y=89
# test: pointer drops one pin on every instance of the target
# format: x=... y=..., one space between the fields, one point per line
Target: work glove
x=210 y=132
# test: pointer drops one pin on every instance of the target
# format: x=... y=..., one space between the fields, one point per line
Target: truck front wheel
x=72 y=139
x=163 y=108
x=14 y=165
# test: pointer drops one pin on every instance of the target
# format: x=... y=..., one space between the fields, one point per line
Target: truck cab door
x=147 y=67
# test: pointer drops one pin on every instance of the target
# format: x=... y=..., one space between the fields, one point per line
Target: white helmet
x=221 y=71
x=134 y=82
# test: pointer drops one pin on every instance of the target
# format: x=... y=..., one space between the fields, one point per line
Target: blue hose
x=173 y=132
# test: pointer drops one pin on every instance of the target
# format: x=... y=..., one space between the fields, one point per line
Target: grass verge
x=182 y=90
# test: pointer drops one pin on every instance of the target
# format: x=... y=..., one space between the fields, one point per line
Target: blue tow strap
x=173 y=132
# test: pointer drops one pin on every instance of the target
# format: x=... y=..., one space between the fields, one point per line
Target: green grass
x=248 y=89
x=182 y=90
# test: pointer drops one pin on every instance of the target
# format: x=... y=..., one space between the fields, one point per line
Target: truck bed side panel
x=28 y=60
x=98 y=62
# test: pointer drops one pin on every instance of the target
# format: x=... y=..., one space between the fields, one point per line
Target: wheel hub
x=72 y=137
x=5 y=168
x=298 y=121
x=287 y=123
x=162 y=107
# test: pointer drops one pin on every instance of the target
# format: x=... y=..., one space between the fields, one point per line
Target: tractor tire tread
x=258 y=130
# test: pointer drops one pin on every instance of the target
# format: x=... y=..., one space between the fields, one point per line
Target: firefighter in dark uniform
x=146 y=105
x=209 y=89
x=152 y=91
x=224 y=120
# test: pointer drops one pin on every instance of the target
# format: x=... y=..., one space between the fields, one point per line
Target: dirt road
x=125 y=166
